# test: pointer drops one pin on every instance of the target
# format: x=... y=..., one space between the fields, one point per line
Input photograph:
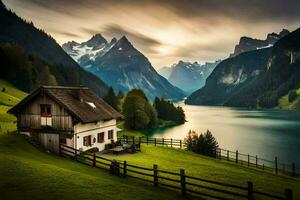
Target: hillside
x=270 y=74
x=119 y=64
x=26 y=171
x=44 y=51
x=230 y=77
x=285 y=103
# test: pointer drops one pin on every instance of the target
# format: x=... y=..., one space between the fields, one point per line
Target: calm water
x=266 y=133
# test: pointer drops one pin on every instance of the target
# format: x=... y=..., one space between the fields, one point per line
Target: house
x=73 y=116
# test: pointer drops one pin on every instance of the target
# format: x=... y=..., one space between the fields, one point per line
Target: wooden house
x=73 y=116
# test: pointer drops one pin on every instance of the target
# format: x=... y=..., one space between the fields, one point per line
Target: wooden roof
x=81 y=102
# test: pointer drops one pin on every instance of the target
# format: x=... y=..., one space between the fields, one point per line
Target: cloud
x=68 y=34
x=164 y=30
x=117 y=30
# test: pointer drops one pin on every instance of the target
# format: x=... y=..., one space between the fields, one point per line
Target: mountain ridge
x=188 y=76
x=123 y=67
x=279 y=73
x=36 y=42
x=249 y=44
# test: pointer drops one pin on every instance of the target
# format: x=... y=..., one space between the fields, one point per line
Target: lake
x=266 y=133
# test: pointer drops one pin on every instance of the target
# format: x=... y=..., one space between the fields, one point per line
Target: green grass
x=29 y=173
x=284 y=103
x=209 y=168
x=11 y=96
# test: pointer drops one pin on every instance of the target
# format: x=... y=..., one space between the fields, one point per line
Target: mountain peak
x=284 y=32
x=124 y=44
x=96 y=40
x=113 y=40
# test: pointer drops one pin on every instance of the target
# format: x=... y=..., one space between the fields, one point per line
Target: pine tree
x=112 y=99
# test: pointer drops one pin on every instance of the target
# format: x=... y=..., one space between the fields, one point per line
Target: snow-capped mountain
x=188 y=76
x=121 y=65
x=250 y=44
x=85 y=53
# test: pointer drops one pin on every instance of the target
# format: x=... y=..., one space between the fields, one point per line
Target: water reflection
x=267 y=133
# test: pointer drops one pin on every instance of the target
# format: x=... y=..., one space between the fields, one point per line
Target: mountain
x=250 y=44
x=165 y=71
x=230 y=76
x=190 y=76
x=122 y=66
x=258 y=78
x=36 y=43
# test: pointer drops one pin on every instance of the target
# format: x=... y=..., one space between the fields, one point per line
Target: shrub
x=205 y=143
x=292 y=95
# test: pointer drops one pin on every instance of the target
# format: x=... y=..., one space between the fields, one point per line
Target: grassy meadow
x=30 y=173
x=27 y=172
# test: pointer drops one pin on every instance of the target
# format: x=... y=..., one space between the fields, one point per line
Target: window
x=87 y=140
x=111 y=134
x=100 y=137
x=63 y=141
x=46 y=110
x=46 y=120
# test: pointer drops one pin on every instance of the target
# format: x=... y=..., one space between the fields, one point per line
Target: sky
x=166 y=31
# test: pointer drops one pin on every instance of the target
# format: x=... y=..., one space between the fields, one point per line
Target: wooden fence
x=179 y=181
x=234 y=156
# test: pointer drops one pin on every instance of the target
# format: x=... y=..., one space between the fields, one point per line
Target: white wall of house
x=92 y=129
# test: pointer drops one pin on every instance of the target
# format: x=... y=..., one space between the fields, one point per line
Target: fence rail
x=223 y=154
x=187 y=184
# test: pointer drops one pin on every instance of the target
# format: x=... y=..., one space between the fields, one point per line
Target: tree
x=292 y=95
x=205 y=143
x=166 y=110
x=134 y=112
x=112 y=99
x=138 y=113
x=152 y=114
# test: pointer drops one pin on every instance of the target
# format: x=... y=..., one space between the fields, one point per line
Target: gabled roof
x=81 y=102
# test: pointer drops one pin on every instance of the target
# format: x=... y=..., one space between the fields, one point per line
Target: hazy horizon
x=165 y=31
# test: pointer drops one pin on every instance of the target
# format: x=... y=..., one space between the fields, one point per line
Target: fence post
x=59 y=149
x=276 y=166
x=263 y=166
x=171 y=143
x=227 y=155
x=94 y=160
x=236 y=156
x=248 y=160
x=154 y=141
x=220 y=154
x=256 y=161
x=76 y=154
x=163 y=141
x=288 y=194
x=140 y=140
x=155 y=178
x=180 y=144
x=293 y=169
x=182 y=181
x=147 y=140
x=124 y=168
x=250 y=190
